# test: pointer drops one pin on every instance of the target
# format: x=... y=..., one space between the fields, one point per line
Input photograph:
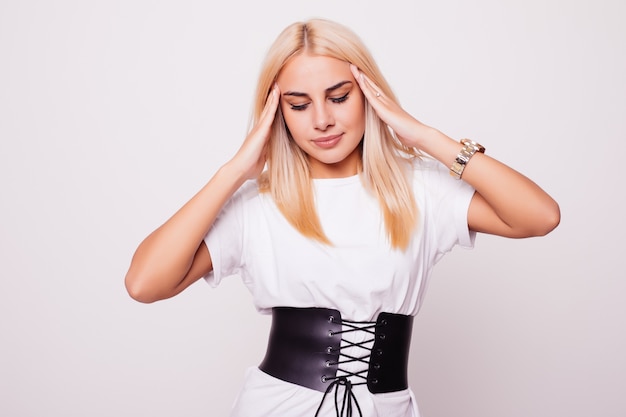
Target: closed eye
x=299 y=107
x=340 y=99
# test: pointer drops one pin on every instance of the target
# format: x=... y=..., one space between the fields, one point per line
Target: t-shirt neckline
x=333 y=182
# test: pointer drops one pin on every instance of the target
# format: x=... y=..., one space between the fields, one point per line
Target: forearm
x=173 y=257
x=163 y=260
x=521 y=206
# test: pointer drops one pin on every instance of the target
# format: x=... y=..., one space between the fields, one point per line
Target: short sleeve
x=446 y=204
x=225 y=239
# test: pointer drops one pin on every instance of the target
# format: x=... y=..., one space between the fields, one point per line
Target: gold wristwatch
x=469 y=149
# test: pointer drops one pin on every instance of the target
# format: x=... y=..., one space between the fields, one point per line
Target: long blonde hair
x=385 y=160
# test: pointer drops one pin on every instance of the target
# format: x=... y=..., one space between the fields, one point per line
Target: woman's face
x=324 y=110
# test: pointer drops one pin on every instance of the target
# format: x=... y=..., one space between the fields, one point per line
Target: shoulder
x=433 y=178
x=248 y=190
x=245 y=194
x=427 y=169
x=426 y=163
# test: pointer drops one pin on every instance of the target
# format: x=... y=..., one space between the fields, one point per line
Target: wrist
x=424 y=138
x=234 y=172
x=469 y=149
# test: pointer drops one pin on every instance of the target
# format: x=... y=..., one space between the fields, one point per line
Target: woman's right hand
x=174 y=256
x=251 y=156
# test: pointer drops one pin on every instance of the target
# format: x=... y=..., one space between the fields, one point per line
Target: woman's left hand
x=506 y=203
x=408 y=129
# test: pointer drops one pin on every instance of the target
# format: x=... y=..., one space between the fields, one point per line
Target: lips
x=327 y=141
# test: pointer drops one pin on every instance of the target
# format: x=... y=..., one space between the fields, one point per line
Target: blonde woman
x=333 y=212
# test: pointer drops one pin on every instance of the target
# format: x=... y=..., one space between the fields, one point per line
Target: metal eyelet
x=331 y=319
x=324 y=379
x=376 y=366
x=328 y=364
x=329 y=350
x=382 y=336
x=379 y=352
x=374 y=381
x=383 y=322
x=331 y=333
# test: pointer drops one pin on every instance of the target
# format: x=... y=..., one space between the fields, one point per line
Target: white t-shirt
x=360 y=274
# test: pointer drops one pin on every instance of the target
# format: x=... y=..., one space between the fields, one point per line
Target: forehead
x=312 y=72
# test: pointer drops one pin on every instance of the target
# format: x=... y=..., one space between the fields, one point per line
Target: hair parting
x=385 y=166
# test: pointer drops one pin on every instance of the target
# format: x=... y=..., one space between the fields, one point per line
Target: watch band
x=469 y=149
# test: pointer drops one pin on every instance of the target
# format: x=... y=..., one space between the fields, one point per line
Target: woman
x=337 y=237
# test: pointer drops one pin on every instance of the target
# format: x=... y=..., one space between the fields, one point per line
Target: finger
x=271 y=104
x=356 y=73
x=271 y=98
x=369 y=88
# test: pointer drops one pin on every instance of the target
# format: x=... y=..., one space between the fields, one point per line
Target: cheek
x=294 y=124
x=354 y=115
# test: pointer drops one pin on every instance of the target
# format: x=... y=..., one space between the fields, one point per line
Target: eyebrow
x=328 y=90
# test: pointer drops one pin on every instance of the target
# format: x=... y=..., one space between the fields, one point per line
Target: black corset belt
x=305 y=348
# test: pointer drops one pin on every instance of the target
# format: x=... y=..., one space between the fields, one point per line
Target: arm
x=506 y=203
x=174 y=256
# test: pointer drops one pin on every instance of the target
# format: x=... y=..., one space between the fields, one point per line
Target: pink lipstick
x=328 y=141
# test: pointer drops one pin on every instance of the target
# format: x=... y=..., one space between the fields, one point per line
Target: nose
x=323 y=117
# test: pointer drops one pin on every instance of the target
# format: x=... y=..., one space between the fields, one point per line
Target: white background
x=113 y=113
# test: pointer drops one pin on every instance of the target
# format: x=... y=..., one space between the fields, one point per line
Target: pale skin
x=325 y=115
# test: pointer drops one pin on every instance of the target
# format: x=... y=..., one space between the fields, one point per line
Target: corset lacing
x=360 y=375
